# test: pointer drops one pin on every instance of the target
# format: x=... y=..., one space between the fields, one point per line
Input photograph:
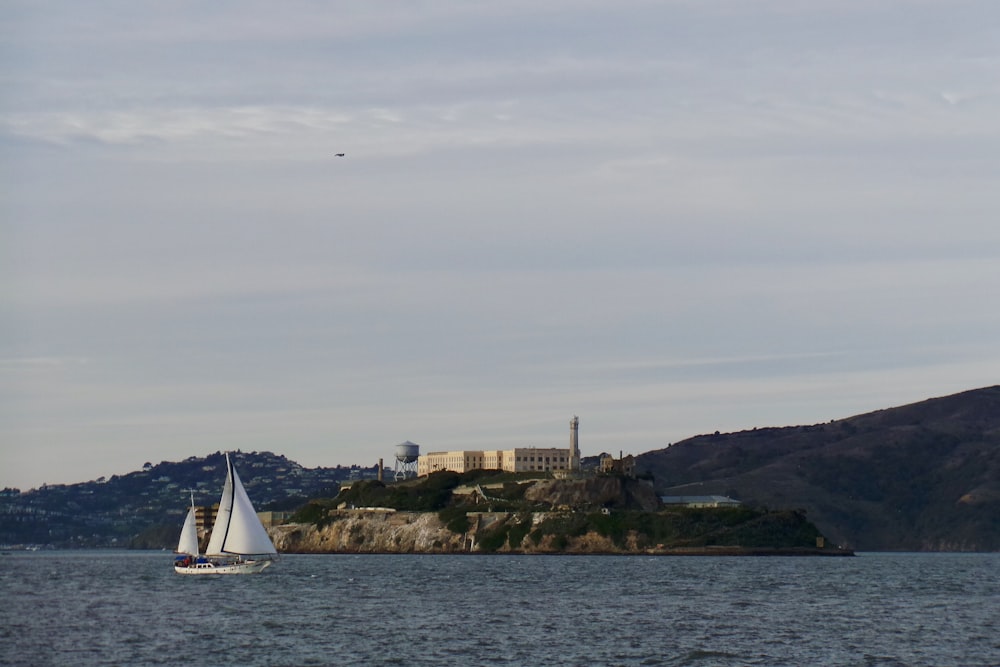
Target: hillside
x=147 y=507
x=921 y=477
x=924 y=476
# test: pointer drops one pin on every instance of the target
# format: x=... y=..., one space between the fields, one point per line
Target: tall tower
x=574 y=443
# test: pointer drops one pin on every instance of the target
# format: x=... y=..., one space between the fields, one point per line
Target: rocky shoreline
x=385 y=531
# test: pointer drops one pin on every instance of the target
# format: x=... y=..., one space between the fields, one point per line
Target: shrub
x=519 y=530
x=492 y=540
x=455 y=518
x=312 y=512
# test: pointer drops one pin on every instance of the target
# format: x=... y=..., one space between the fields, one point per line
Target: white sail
x=222 y=515
x=188 y=544
x=246 y=533
x=237 y=529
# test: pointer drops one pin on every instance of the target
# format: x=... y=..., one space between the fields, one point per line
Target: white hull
x=240 y=567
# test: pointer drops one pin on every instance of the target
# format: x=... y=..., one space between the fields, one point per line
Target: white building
x=519 y=459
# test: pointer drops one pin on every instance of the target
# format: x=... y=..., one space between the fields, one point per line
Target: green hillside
x=146 y=508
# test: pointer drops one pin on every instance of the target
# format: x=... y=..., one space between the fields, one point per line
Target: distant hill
x=146 y=508
x=921 y=477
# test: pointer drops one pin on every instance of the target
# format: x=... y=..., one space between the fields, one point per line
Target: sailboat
x=239 y=543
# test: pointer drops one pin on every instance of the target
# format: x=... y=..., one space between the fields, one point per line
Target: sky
x=668 y=218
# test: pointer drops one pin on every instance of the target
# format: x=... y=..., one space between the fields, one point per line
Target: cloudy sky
x=668 y=218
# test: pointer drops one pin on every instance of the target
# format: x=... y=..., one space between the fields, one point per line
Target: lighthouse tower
x=574 y=443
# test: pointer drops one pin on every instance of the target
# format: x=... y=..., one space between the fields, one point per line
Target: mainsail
x=237 y=529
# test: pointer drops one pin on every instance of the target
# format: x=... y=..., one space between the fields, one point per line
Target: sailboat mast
x=194 y=517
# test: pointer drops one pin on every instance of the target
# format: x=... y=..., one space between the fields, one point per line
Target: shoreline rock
x=385 y=531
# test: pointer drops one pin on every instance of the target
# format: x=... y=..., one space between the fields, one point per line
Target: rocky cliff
x=594 y=492
x=364 y=531
x=717 y=531
x=537 y=516
x=379 y=531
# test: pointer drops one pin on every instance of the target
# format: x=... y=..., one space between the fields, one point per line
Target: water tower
x=406 y=460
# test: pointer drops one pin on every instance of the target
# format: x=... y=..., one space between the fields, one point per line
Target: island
x=494 y=512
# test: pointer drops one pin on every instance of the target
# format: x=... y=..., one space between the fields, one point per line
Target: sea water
x=129 y=608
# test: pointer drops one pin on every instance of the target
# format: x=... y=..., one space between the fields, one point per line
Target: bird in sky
x=340 y=155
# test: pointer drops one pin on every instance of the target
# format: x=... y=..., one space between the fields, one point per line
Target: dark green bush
x=519 y=530
x=493 y=539
x=312 y=512
x=455 y=518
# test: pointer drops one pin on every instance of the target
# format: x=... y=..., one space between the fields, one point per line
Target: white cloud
x=668 y=218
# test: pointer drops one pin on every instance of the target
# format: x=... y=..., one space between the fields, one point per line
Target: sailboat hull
x=239 y=567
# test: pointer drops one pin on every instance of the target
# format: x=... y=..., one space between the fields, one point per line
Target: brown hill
x=921 y=477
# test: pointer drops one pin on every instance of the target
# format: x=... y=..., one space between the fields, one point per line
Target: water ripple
x=877 y=610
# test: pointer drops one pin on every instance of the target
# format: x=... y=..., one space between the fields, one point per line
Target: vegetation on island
x=435 y=492
x=528 y=512
x=675 y=528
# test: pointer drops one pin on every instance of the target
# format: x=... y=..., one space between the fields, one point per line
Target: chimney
x=574 y=443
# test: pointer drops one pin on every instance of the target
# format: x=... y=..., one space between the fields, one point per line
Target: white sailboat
x=239 y=543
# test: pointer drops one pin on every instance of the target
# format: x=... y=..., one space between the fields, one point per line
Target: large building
x=519 y=459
